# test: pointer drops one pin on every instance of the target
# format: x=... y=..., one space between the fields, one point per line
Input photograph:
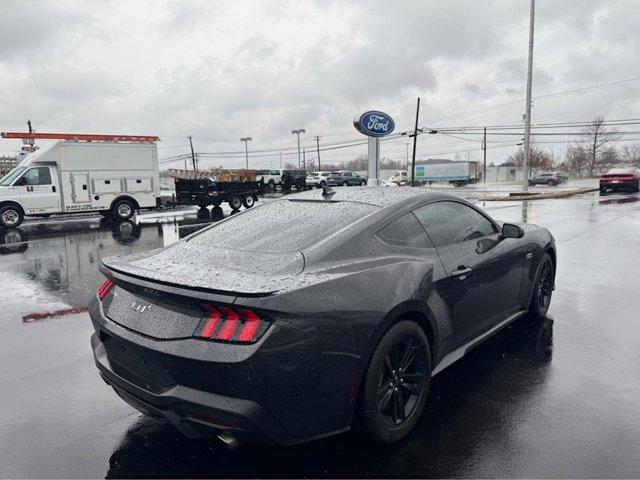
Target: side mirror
x=509 y=230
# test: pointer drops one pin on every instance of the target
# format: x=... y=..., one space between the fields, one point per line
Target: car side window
x=405 y=231
x=452 y=222
x=37 y=176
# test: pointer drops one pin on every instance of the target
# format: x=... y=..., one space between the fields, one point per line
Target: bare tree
x=609 y=158
x=576 y=159
x=631 y=153
x=538 y=159
x=595 y=137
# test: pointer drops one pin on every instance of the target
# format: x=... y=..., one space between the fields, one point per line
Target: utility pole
x=193 y=155
x=304 y=158
x=415 y=140
x=407 y=156
x=298 y=132
x=318 y=137
x=31 y=141
x=246 y=141
x=484 y=154
x=527 y=124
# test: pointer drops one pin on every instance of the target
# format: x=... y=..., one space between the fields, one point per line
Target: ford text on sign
x=374 y=124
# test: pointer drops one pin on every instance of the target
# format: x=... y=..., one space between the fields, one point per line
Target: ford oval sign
x=374 y=124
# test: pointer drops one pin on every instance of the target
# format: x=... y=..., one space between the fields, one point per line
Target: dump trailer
x=456 y=173
x=204 y=188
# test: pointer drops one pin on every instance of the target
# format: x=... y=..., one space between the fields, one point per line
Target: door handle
x=461 y=272
x=53 y=188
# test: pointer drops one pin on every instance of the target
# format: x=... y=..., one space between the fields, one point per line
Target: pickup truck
x=271 y=178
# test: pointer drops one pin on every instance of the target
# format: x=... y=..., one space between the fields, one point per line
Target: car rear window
x=283 y=225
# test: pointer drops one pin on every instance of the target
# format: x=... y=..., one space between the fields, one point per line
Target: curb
x=539 y=196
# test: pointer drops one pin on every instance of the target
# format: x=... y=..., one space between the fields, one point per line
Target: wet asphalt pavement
x=559 y=398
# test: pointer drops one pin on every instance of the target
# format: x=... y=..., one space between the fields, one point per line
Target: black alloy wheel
x=397 y=383
x=543 y=288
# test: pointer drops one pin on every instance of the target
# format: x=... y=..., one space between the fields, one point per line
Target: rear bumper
x=270 y=393
x=620 y=185
x=193 y=412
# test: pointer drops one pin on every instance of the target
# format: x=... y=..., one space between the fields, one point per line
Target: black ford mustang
x=302 y=317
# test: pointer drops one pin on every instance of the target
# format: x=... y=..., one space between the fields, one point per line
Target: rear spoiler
x=150 y=286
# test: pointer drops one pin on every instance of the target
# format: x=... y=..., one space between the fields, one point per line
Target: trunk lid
x=212 y=269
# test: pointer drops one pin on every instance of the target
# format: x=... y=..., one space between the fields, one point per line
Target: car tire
x=363 y=183
x=11 y=216
x=530 y=183
x=123 y=209
x=387 y=396
x=551 y=183
x=248 y=201
x=271 y=186
x=542 y=288
x=235 y=202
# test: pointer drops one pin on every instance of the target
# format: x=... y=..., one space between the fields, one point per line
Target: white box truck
x=111 y=177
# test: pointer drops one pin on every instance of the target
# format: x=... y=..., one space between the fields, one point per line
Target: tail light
x=105 y=288
x=226 y=324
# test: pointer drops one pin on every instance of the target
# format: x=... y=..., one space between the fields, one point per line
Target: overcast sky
x=219 y=70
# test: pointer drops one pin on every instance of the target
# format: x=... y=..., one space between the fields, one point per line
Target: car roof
x=379 y=196
x=621 y=170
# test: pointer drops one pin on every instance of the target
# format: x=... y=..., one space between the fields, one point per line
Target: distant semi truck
x=456 y=173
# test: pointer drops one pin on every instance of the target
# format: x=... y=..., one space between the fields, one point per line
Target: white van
x=112 y=178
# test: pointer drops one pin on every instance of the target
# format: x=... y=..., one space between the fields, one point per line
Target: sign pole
x=373 y=162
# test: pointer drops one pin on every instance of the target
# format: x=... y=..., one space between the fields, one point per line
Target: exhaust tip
x=230 y=441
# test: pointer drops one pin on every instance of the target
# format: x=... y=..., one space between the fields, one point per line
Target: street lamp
x=246 y=150
x=298 y=132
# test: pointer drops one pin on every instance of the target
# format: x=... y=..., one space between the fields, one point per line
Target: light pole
x=298 y=132
x=246 y=150
x=527 y=124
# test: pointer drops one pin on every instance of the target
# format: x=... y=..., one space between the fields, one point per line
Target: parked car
x=620 y=179
x=301 y=317
x=317 y=179
x=399 y=178
x=345 y=178
x=271 y=178
x=548 y=178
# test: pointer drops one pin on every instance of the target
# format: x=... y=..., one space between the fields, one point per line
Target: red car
x=619 y=179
